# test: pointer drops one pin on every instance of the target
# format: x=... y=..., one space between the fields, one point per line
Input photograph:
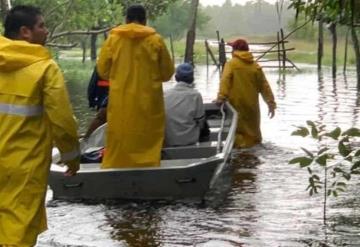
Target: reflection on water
x=259 y=201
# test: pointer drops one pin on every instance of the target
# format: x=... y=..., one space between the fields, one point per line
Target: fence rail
x=273 y=47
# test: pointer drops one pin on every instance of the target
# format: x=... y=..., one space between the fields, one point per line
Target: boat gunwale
x=218 y=157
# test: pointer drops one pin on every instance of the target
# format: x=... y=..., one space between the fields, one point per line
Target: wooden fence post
x=283 y=48
x=222 y=54
x=278 y=45
x=211 y=54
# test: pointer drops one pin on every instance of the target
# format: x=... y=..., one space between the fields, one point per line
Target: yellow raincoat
x=34 y=112
x=241 y=83
x=136 y=61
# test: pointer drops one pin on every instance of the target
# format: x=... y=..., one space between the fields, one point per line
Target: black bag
x=205 y=132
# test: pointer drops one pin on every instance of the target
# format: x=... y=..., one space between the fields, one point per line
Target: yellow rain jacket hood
x=136 y=61
x=241 y=83
x=11 y=59
x=35 y=113
x=133 y=31
x=244 y=56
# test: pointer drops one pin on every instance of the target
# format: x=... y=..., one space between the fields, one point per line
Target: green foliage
x=331 y=11
x=308 y=32
x=65 y=15
x=234 y=20
x=155 y=8
x=344 y=157
x=175 y=21
x=75 y=71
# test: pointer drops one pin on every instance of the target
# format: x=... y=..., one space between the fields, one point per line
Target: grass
x=305 y=52
x=75 y=70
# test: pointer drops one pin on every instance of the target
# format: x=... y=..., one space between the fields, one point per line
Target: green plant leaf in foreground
x=310 y=154
x=303 y=161
x=355 y=166
x=322 y=160
x=301 y=131
x=346 y=157
x=353 y=132
x=314 y=130
x=321 y=151
x=334 y=134
x=344 y=150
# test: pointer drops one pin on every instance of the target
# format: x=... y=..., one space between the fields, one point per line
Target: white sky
x=220 y=2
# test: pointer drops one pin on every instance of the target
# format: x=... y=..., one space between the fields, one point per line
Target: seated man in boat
x=185 y=117
x=184 y=110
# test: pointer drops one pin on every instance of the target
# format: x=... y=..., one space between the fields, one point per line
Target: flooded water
x=260 y=201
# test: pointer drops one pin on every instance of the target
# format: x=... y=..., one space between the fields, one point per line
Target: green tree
x=155 y=8
x=175 y=21
x=233 y=20
x=333 y=12
x=73 y=21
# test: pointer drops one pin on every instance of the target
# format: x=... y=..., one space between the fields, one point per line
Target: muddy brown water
x=259 y=201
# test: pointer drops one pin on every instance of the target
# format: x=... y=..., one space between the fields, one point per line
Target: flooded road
x=260 y=201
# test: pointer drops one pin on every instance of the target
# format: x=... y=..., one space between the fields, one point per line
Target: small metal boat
x=185 y=172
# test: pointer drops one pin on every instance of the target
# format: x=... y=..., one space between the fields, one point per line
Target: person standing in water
x=35 y=114
x=242 y=82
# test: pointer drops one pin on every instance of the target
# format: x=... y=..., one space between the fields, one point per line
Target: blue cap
x=185 y=72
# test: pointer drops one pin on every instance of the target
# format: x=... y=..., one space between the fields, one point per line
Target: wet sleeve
x=165 y=62
x=58 y=110
x=265 y=90
x=104 y=62
x=225 y=82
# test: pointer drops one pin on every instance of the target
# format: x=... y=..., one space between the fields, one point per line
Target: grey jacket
x=184 y=111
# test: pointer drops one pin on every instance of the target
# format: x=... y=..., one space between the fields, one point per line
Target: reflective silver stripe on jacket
x=70 y=155
x=21 y=110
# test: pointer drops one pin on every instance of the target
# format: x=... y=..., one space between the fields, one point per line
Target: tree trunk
x=334 y=47
x=320 y=44
x=356 y=46
x=93 y=47
x=346 y=50
x=191 y=34
x=83 y=47
x=5 y=5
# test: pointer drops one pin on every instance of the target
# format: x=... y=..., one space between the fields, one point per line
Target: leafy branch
x=341 y=162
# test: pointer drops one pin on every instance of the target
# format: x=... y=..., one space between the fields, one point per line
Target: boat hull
x=186 y=172
x=146 y=184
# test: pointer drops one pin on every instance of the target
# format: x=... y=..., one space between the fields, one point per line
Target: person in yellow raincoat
x=35 y=114
x=241 y=83
x=136 y=61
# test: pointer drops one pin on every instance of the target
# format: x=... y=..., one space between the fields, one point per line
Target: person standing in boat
x=184 y=110
x=241 y=83
x=136 y=61
x=35 y=113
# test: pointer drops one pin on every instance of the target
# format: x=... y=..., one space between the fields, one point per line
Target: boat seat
x=199 y=150
x=216 y=123
x=179 y=162
x=164 y=163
